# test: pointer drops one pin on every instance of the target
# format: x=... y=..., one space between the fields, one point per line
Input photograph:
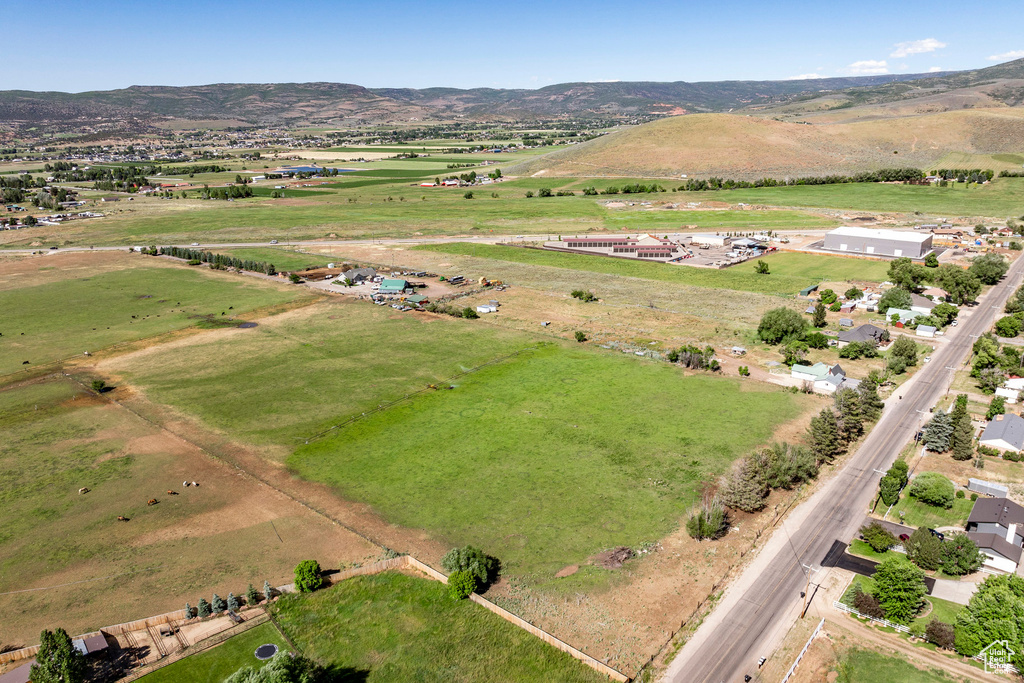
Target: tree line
x=881 y=176
x=217 y=261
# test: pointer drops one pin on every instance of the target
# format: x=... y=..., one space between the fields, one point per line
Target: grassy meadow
x=56 y=319
x=219 y=662
x=868 y=666
x=396 y=627
x=548 y=458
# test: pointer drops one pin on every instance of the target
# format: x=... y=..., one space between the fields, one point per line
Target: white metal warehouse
x=879 y=242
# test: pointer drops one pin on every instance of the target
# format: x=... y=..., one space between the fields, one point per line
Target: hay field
x=548 y=458
x=747 y=147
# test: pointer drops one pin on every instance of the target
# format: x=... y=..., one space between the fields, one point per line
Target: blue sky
x=97 y=45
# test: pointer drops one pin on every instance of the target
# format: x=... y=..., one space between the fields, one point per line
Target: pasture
x=282 y=257
x=868 y=666
x=52 y=312
x=397 y=627
x=217 y=663
x=741 y=277
x=83 y=568
x=822 y=268
x=548 y=458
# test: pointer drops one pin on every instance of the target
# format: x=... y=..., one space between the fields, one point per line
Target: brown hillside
x=748 y=147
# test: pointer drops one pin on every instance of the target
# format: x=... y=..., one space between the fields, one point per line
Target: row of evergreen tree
x=952 y=431
x=880 y=176
x=215 y=260
x=217 y=604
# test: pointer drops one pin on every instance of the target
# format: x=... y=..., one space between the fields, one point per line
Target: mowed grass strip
x=308 y=370
x=219 y=662
x=867 y=666
x=821 y=267
x=56 y=320
x=283 y=259
x=740 y=277
x=395 y=627
x=548 y=458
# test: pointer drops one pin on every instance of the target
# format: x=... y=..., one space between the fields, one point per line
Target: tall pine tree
x=962 y=439
x=871 y=404
x=824 y=436
x=938 y=431
x=848 y=415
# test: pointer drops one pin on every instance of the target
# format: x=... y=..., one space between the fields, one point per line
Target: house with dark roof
x=920 y=304
x=861 y=333
x=357 y=275
x=1005 y=433
x=996 y=525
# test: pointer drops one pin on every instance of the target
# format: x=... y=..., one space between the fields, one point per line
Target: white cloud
x=1006 y=56
x=868 y=67
x=916 y=47
x=934 y=69
x=804 y=77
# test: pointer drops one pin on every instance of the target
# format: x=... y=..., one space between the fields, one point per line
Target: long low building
x=870 y=241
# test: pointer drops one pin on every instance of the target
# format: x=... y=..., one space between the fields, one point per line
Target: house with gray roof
x=862 y=333
x=920 y=304
x=905 y=316
x=1005 y=433
x=357 y=275
x=825 y=378
x=996 y=525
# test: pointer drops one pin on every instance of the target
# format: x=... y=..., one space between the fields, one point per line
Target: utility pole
x=807 y=588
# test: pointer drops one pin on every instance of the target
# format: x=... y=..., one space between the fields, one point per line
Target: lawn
x=740 y=277
x=219 y=662
x=867 y=666
x=826 y=268
x=859 y=547
x=55 y=320
x=548 y=458
x=943 y=610
x=396 y=627
x=918 y=514
x=283 y=259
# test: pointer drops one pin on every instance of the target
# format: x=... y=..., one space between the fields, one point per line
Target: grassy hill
x=750 y=147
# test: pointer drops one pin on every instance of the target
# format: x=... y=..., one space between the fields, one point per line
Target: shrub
x=308 y=576
x=98 y=386
x=468 y=195
x=707 y=521
x=203 y=608
x=294 y=279
x=924 y=549
x=829 y=297
x=483 y=567
x=933 y=488
x=878 y=537
x=469 y=313
x=251 y=596
x=867 y=604
x=461 y=584
x=940 y=633
x=853 y=293
x=974 y=497
x=835 y=307
x=232 y=602
x=580 y=336
x=960 y=493
x=217 y=604
x=544 y=192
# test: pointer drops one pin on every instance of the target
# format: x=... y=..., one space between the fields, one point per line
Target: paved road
x=755 y=611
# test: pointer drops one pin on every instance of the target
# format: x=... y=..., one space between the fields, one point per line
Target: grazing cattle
x=152 y=501
x=122 y=519
x=185 y=484
x=195 y=484
x=83 y=490
x=171 y=493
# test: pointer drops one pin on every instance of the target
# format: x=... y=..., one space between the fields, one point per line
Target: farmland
x=593 y=444
x=396 y=627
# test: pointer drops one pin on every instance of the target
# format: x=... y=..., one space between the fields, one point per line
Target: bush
x=974 y=497
x=469 y=313
x=960 y=555
x=960 y=493
x=934 y=489
x=483 y=567
x=867 y=604
x=780 y=324
x=580 y=336
x=308 y=576
x=98 y=386
x=940 y=634
x=294 y=279
x=468 y=195
x=878 y=537
x=461 y=584
x=924 y=549
x=707 y=521
x=829 y=297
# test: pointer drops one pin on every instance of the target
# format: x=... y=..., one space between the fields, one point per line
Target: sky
x=99 y=45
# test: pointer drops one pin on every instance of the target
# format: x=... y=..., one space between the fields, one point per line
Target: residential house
x=357 y=275
x=1004 y=432
x=862 y=333
x=920 y=304
x=1011 y=395
x=392 y=286
x=825 y=378
x=996 y=526
x=905 y=316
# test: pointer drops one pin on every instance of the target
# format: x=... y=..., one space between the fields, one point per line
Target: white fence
x=803 y=651
x=884 y=622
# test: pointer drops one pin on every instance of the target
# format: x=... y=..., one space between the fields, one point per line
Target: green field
x=741 y=277
x=551 y=457
x=917 y=514
x=56 y=320
x=219 y=662
x=819 y=267
x=867 y=666
x=282 y=258
x=943 y=610
x=312 y=369
x=396 y=628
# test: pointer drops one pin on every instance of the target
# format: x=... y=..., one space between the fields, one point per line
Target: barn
x=869 y=241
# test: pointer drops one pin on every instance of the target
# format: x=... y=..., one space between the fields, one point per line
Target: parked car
x=195 y=244
x=904 y=538
x=937 y=534
x=927 y=359
x=273 y=241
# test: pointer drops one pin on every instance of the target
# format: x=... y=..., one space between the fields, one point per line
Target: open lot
x=867 y=666
x=548 y=458
x=396 y=627
x=66 y=560
x=52 y=312
x=217 y=663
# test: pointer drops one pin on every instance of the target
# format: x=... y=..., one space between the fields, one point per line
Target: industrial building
x=870 y=241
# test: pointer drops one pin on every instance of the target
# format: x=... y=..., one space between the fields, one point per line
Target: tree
x=997 y=407
x=762 y=268
x=846 y=403
x=960 y=555
x=933 y=488
x=294 y=279
x=482 y=566
x=461 y=584
x=470 y=313
x=268 y=592
x=938 y=431
x=284 y=668
x=203 y=608
x=989 y=268
x=824 y=436
x=794 y=352
x=582 y=337
x=786 y=466
x=960 y=285
x=867 y=604
x=232 y=602
x=889 y=490
x=906 y=274
x=746 y=488
x=993 y=613
x=931 y=260
x=962 y=439
x=188 y=611
x=900 y=589
x=1008 y=326
x=924 y=549
x=1015 y=304
x=945 y=313
x=57 y=660
x=853 y=293
x=940 y=633
x=707 y=521
x=468 y=195
x=820 y=313
x=308 y=576
x=217 y=604
x=878 y=537
x=98 y=386
x=544 y=192
x=871 y=404
x=905 y=349
x=829 y=297
x=816 y=340
x=251 y=596
x=894 y=298
x=780 y=324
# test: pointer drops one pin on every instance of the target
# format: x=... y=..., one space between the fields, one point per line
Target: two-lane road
x=764 y=599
